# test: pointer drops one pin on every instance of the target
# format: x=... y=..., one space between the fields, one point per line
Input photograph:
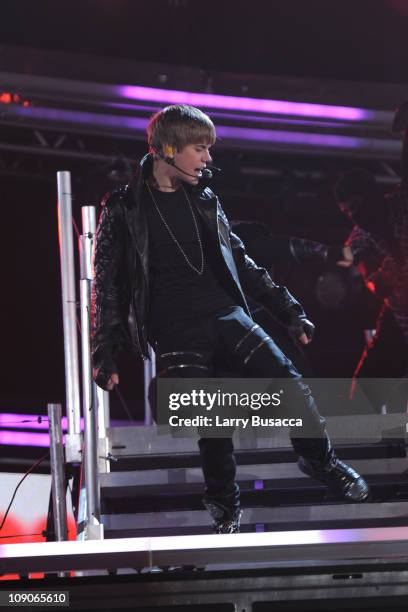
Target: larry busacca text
x=218 y=421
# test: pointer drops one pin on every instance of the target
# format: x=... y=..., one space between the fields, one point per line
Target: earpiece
x=168 y=151
x=168 y=156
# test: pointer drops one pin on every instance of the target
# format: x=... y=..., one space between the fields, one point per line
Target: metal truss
x=85 y=123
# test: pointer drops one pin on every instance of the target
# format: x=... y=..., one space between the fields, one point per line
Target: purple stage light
x=237 y=103
x=92 y=119
x=307 y=139
x=136 y=126
x=298 y=138
x=30 y=421
x=23 y=438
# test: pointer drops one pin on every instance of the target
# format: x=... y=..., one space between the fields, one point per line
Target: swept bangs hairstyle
x=179 y=125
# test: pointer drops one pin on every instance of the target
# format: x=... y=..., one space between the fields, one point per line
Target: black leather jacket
x=120 y=295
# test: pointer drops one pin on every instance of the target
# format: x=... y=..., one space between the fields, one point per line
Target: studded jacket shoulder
x=110 y=294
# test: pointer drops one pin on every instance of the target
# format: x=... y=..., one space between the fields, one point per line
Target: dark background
x=351 y=40
x=360 y=40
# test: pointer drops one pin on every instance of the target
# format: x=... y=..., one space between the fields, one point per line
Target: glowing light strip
x=136 y=126
x=29 y=421
x=23 y=438
x=298 y=546
x=307 y=139
x=68 y=116
x=237 y=103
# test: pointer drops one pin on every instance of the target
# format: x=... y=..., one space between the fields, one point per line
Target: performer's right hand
x=348 y=258
x=104 y=380
x=113 y=380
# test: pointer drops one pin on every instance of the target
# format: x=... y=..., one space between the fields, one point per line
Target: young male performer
x=169 y=270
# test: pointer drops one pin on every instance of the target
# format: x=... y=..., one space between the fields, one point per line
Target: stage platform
x=300 y=546
x=242 y=571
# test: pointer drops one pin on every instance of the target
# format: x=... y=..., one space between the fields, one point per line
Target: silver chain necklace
x=200 y=270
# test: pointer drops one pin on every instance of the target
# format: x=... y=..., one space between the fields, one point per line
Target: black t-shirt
x=177 y=291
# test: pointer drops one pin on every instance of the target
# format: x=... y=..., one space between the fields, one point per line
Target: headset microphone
x=170 y=160
x=206 y=173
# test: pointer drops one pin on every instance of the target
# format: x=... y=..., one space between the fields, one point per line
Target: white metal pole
x=88 y=387
x=58 y=484
x=73 y=439
x=149 y=374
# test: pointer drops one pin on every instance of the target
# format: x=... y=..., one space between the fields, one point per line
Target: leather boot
x=225 y=520
x=337 y=475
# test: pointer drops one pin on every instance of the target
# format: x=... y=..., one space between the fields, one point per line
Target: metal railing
x=91 y=448
x=66 y=242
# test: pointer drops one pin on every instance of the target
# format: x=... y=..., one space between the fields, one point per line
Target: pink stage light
x=68 y=116
x=24 y=438
x=297 y=138
x=237 y=103
x=30 y=421
x=9 y=420
x=231 y=133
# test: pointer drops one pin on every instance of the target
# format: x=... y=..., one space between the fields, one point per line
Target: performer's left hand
x=304 y=339
x=306 y=335
x=302 y=329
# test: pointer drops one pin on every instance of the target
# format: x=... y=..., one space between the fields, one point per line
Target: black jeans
x=229 y=339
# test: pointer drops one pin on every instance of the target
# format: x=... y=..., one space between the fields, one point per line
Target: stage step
x=255 y=472
x=189 y=459
x=276 y=497
x=156 y=486
x=295 y=491
x=368 y=431
x=176 y=489
x=295 y=518
x=154 y=448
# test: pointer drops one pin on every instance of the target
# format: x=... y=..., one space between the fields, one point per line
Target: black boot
x=225 y=520
x=337 y=475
